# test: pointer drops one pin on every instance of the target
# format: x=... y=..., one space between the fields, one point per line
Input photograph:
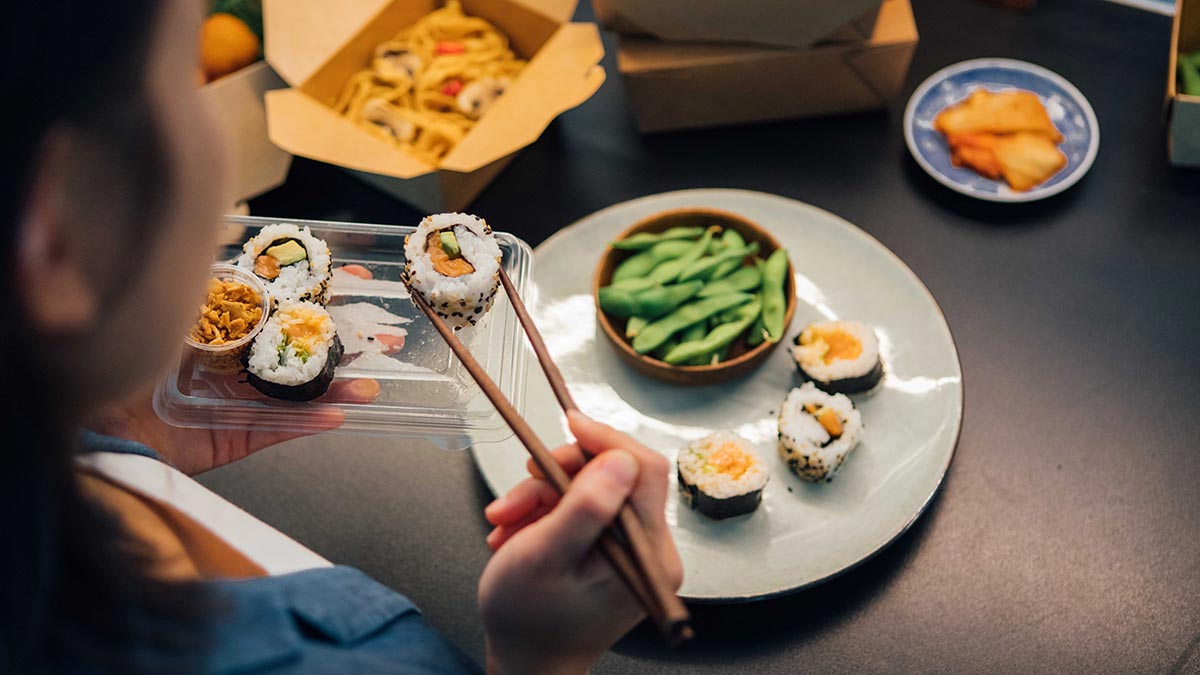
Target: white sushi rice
x=461 y=300
x=807 y=447
x=305 y=280
x=693 y=460
x=265 y=355
x=811 y=357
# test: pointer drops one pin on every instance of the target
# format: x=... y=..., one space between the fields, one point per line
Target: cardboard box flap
x=563 y=74
x=559 y=11
x=303 y=126
x=301 y=34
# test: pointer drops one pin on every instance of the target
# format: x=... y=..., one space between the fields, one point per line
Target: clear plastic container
x=424 y=390
x=227 y=357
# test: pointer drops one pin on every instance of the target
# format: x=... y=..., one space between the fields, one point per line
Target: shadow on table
x=729 y=633
x=1027 y=214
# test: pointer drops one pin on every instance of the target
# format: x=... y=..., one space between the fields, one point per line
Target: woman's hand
x=194 y=451
x=550 y=602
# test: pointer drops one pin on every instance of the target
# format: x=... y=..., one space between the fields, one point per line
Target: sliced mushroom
x=395 y=64
x=478 y=96
x=386 y=118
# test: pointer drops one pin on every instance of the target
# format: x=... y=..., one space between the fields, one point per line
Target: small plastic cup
x=227 y=358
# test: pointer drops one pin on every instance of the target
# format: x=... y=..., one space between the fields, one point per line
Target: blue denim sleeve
x=329 y=620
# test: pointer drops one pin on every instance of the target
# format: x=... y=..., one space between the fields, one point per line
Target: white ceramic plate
x=802 y=533
x=1068 y=109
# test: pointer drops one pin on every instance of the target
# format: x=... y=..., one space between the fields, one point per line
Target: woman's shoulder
x=332 y=619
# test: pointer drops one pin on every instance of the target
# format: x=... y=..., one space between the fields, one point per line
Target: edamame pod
x=617 y=302
x=634 y=326
x=695 y=331
x=757 y=333
x=745 y=279
x=642 y=262
x=654 y=302
x=660 y=330
x=730 y=239
x=634 y=284
x=703 y=268
x=774 y=302
x=668 y=271
x=717 y=339
x=643 y=240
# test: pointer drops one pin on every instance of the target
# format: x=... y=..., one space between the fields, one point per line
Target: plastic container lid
x=424 y=391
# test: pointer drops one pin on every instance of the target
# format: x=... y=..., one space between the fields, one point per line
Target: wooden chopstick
x=678 y=619
x=610 y=543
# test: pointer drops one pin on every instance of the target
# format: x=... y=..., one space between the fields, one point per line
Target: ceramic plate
x=802 y=533
x=1069 y=110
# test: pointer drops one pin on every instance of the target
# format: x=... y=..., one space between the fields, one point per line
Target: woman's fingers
x=518 y=502
x=654 y=482
x=502 y=533
x=569 y=531
x=570 y=458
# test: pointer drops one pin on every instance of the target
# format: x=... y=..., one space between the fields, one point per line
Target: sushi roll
x=294 y=356
x=841 y=357
x=294 y=264
x=721 y=476
x=453 y=261
x=816 y=432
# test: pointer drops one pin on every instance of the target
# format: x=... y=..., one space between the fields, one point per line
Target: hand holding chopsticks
x=625 y=545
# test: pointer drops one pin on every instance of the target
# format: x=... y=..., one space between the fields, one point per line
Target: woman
x=115 y=561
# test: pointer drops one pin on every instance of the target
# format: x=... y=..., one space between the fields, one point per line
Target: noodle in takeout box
x=318 y=54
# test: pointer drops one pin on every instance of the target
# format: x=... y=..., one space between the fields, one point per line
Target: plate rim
x=1036 y=194
x=854 y=229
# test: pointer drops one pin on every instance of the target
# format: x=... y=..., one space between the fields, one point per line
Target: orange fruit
x=226 y=45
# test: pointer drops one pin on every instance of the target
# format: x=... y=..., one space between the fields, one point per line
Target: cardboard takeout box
x=785 y=23
x=316 y=46
x=682 y=86
x=237 y=100
x=1183 y=111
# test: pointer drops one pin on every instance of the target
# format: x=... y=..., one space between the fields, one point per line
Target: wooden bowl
x=742 y=358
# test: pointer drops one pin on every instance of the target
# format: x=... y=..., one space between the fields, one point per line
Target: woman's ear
x=50 y=266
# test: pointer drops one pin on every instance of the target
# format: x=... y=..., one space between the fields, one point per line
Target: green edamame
x=655 y=302
x=617 y=302
x=638 y=264
x=634 y=284
x=643 y=240
x=665 y=347
x=757 y=333
x=745 y=279
x=716 y=339
x=730 y=239
x=774 y=304
x=695 y=331
x=703 y=268
x=660 y=330
x=634 y=326
x=666 y=272
x=1189 y=73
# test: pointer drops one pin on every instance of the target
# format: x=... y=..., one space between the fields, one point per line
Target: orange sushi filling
x=730 y=460
x=443 y=263
x=827 y=418
x=838 y=343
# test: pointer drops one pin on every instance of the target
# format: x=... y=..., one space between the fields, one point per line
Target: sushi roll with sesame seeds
x=841 y=357
x=292 y=263
x=721 y=476
x=295 y=355
x=816 y=432
x=453 y=261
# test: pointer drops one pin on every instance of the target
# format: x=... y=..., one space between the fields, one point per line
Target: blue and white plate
x=1068 y=109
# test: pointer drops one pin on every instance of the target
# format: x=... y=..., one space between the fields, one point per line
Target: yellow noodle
x=438 y=119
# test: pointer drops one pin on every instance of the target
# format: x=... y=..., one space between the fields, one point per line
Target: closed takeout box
x=257 y=165
x=786 y=23
x=317 y=46
x=682 y=86
x=1183 y=111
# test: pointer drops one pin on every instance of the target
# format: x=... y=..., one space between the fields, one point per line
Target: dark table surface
x=1066 y=537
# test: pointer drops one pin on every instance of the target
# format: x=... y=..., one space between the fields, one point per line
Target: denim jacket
x=324 y=620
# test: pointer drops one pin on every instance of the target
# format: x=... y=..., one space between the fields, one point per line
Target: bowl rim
x=252 y=280
x=618 y=339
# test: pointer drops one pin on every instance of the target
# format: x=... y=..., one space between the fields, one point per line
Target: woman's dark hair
x=74 y=596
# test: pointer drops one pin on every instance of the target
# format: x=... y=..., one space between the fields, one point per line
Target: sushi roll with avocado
x=721 y=476
x=453 y=261
x=841 y=357
x=816 y=432
x=294 y=264
x=294 y=356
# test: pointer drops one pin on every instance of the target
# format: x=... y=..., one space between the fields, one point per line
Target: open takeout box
x=317 y=48
x=784 y=23
x=1183 y=110
x=681 y=86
